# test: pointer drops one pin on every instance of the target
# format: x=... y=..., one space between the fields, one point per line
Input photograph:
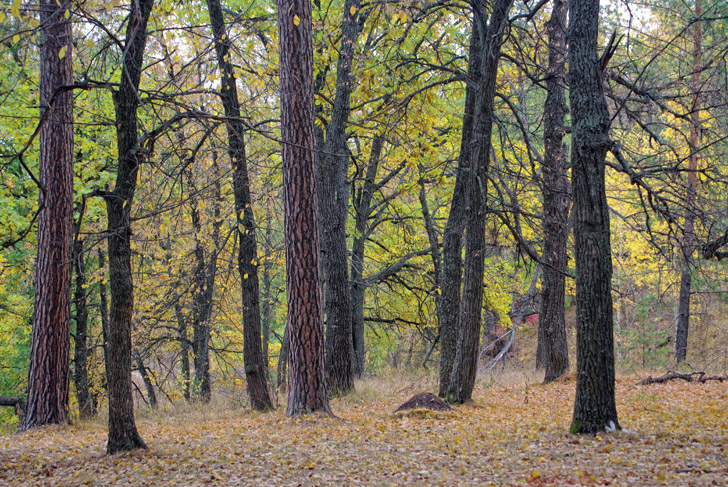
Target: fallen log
x=691 y=377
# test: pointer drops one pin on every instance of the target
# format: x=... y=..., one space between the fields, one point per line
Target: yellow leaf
x=2 y=15
x=245 y=276
x=15 y=9
x=67 y=14
x=90 y=43
x=296 y=20
x=62 y=52
x=402 y=16
x=33 y=22
x=16 y=38
x=352 y=10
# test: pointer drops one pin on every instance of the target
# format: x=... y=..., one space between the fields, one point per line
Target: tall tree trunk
x=333 y=192
x=255 y=367
x=363 y=209
x=80 y=362
x=452 y=236
x=307 y=384
x=204 y=292
x=464 y=369
x=556 y=201
x=50 y=341
x=689 y=241
x=594 y=407
x=123 y=434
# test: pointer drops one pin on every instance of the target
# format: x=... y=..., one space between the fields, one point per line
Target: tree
x=48 y=373
x=255 y=367
x=594 y=407
x=307 y=384
x=492 y=26
x=86 y=406
x=689 y=239
x=556 y=202
x=333 y=191
x=123 y=434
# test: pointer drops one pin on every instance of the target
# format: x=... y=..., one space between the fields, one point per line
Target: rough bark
x=465 y=367
x=255 y=367
x=307 y=384
x=123 y=434
x=333 y=193
x=452 y=235
x=48 y=373
x=689 y=241
x=283 y=362
x=594 y=407
x=363 y=210
x=556 y=201
x=80 y=359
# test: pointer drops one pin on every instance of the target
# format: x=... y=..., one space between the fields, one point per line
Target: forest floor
x=515 y=433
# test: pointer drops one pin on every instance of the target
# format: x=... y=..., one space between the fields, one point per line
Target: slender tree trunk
x=283 y=361
x=363 y=209
x=333 y=192
x=452 y=236
x=80 y=362
x=594 y=407
x=123 y=434
x=255 y=367
x=148 y=384
x=50 y=341
x=202 y=301
x=266 y=311
x=307 y=384
x=689 y=241
x=434 y=242
x=466 y=358
x=184 y=351
x=104 y=311
x=556 y=201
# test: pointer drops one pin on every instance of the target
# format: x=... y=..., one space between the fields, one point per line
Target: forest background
x=666 y=87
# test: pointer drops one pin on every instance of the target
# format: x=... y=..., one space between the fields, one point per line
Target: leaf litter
x=510 y=435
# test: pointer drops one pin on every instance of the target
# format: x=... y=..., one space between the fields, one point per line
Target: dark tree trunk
x=204 y=291
x=468 y=344
x=148 y=384
x=307 y=384
x=184 y=361
x=123 y=435
x=80 y=362
x=556 y=201
x=255 y=367
x=688 y=247
x=104 y=312
x=266 y=311
x=50 y=342
x=433 y=240
x=283 y=362
x=363 y=209
x=452 y=236
x=333 y=192
x=594 y=408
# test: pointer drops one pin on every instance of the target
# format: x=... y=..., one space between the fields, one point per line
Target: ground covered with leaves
x=515 y=433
